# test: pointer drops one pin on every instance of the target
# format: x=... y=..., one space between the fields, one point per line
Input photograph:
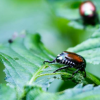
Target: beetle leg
x=74 y=73
x=60 y=69
x=49 y=61
x=85 y=73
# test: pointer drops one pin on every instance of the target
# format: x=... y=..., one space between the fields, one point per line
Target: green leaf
x=87 y=92
x=66 y=8
x=89 y=49
x=93 y=78
x=76 y=93
x=35 y=93
x=79 y=92
x=23 y=60
x=7 y=93
x=69 y=10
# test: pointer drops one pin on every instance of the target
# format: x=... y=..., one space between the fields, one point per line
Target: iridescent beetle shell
x=88 y=13
x=70 y=60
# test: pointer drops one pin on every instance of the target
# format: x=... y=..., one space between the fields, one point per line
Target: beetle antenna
x=49 y=61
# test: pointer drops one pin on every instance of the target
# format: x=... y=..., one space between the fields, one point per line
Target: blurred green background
x=52 y=19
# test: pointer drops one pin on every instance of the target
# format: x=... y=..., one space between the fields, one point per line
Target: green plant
x=23 y=61
x=26 y=76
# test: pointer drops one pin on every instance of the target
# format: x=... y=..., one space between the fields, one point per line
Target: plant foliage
x=23 y=60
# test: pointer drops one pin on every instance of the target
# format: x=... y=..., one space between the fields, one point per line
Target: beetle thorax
x=60 y=58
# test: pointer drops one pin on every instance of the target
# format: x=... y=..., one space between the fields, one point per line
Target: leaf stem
x=93 y=78
x=90 y=76
x=58 y=73
x=34 y=77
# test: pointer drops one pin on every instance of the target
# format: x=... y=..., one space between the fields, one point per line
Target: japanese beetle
x=88 y=13
x=70 y=60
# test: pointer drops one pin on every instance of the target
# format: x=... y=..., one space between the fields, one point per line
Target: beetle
x=70 y=60
x=88 y=13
